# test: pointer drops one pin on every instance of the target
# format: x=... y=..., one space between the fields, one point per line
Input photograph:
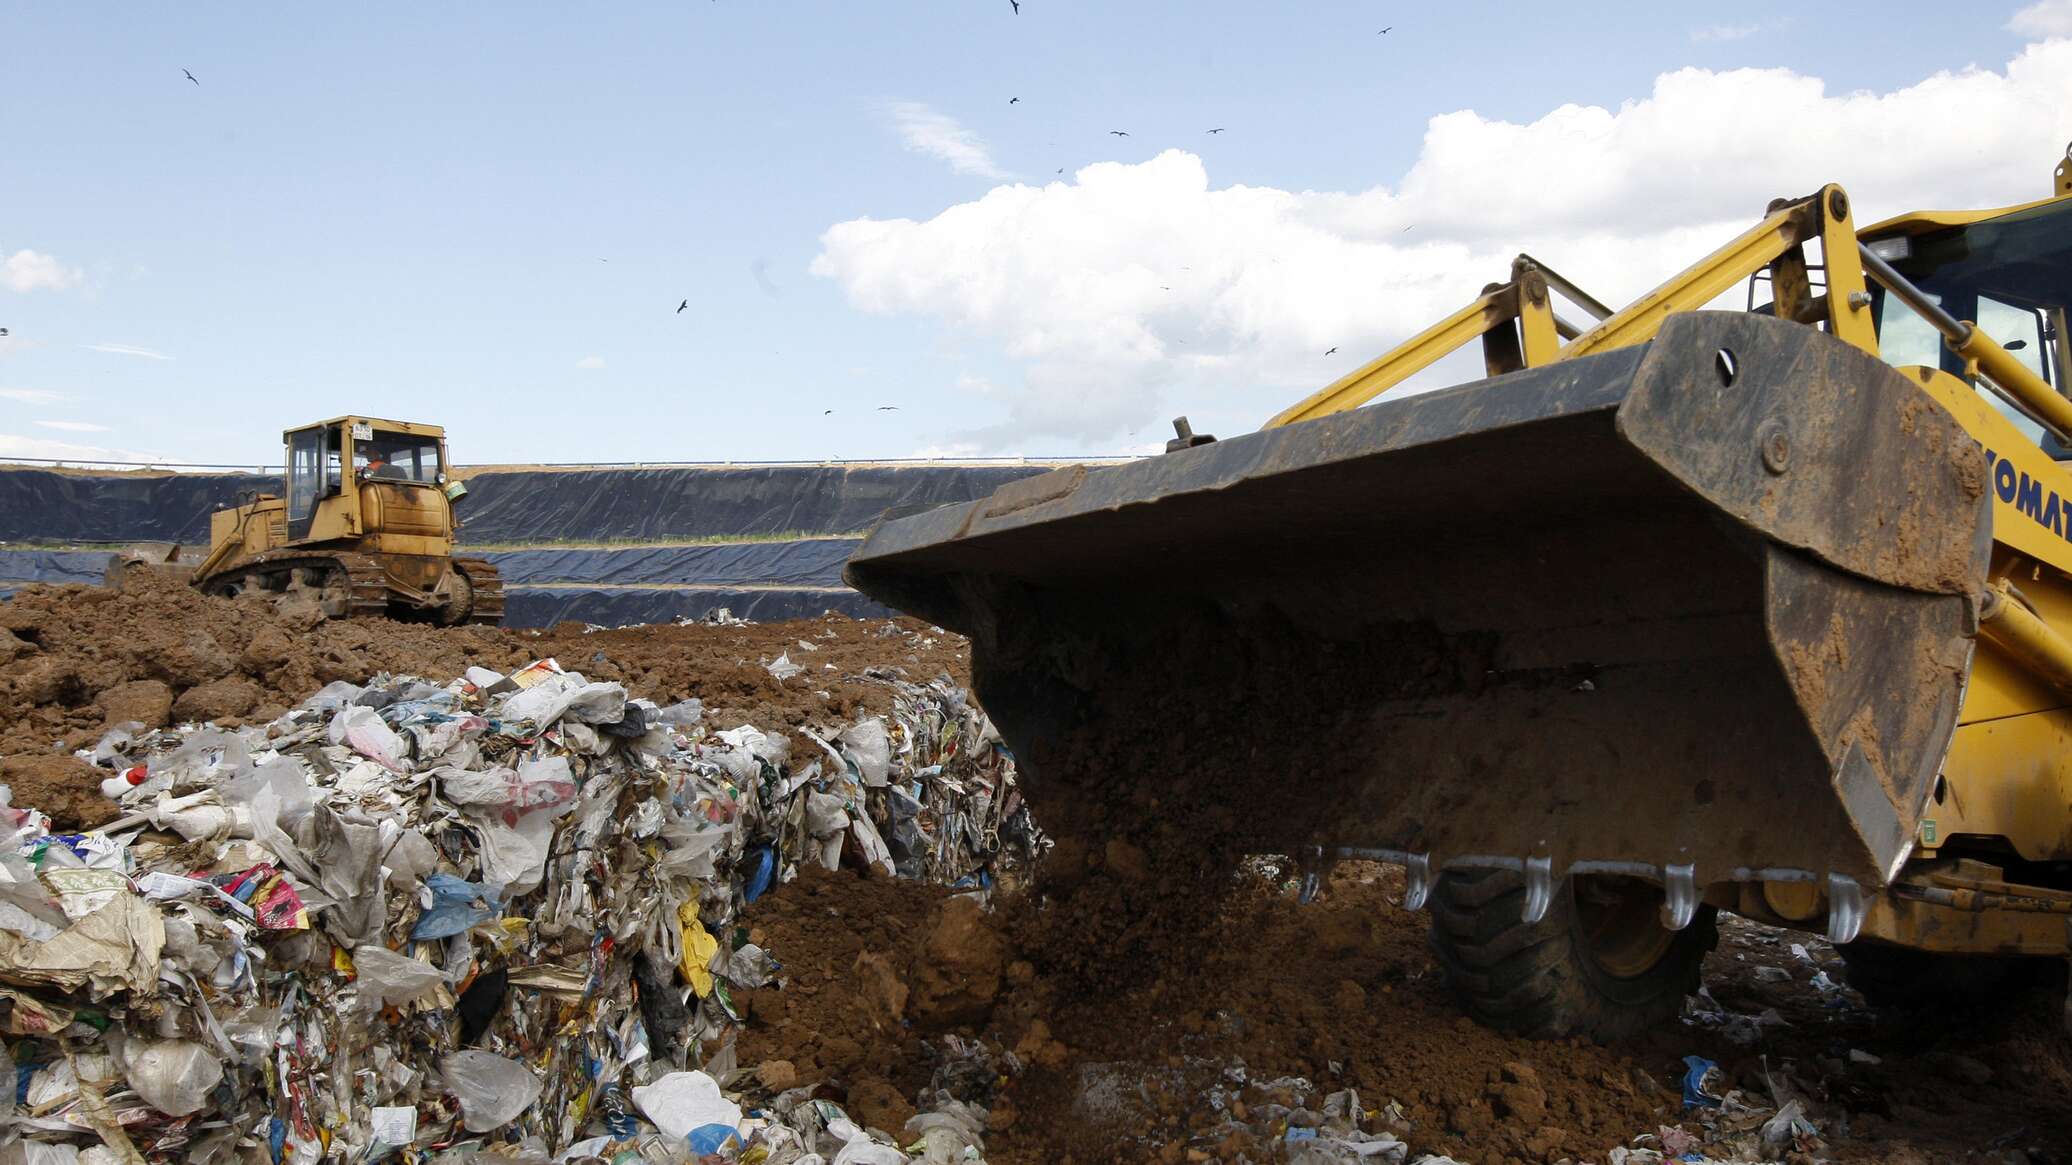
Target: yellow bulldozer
x=1678 y=610
x=364 y=527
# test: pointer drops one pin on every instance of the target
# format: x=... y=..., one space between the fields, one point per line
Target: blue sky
x=401 y=210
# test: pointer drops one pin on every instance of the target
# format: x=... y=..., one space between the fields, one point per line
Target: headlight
x=1893 y=250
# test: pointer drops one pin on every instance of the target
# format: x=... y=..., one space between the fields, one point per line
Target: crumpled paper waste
x=419 y=921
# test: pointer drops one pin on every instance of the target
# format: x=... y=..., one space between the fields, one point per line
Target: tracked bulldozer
x=1678 y=610
x=364 y=527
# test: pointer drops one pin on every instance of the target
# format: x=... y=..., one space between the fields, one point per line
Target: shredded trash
x=414 y=920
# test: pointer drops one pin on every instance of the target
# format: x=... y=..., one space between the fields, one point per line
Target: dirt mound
x=1283 y=1004
x=86 y=658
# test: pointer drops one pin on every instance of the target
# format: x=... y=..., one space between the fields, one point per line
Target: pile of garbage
x=490 y=919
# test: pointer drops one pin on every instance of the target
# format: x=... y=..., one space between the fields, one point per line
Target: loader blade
x=1702 y=603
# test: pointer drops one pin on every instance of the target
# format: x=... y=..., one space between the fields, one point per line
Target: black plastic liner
x=654 y=504
x=53 y=566
x=814 y=562
x=40 y=505
x=618 y=607
x=524 y=506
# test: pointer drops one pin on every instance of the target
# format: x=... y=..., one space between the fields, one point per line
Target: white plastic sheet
x=492 y=1089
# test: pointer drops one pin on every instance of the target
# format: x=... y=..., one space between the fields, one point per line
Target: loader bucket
x=1700 y=608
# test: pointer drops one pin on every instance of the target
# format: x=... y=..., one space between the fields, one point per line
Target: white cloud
x=30 y=396
x=1136 y=291
x=925 y=131
x=74 y=426
x=127 y=350
x=27 y=271
x=2046 y=18
x=1725 y=32
x=590 y=363
x=38 y=448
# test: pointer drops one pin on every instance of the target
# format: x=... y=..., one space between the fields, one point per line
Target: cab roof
x=410 y=428
x=1918 y=222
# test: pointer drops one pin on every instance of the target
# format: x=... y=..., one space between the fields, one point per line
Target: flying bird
x=1218 y=129
x=1014 y=101
x=1061 y=169
x=1017 y=6
x=1385 y=31
x=681 y=306
x=828 y=413
x=888 y=408
x=1333 y=351
x=190 y=76
x=1119 y=133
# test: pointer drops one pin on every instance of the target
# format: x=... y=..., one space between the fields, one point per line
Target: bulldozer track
x=487 y=606
x=368 y=593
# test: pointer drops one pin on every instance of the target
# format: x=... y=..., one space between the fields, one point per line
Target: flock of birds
x=1123 y=133
x=1017 y=5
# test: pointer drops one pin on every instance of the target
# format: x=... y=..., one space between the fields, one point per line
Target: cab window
x=305 y=467
x=391 y=456
x=2012 y=277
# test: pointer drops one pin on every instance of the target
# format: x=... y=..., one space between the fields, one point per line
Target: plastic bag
x=1703 y=1084
x=549 y=700
x=390 y=979
x=683 y=715
x=276 y=790
x=492 y=1090
x=362 y=729
x=1781 y=1130
x=859 y=1149
x=868 y=746
x=1349 y=1148
x=204 y=760
x=945 y=1133
x=455 y=907
x=688 y=1107
x=334 y=695
x=698 y=948
x=174 y=1076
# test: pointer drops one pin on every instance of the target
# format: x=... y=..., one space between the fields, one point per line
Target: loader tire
x=1599 y=964
x=1895 y=978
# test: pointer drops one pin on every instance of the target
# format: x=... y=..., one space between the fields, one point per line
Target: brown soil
x=1344 y=994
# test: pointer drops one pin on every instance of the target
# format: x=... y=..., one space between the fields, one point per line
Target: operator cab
x=2009 y=274
x=327 y=458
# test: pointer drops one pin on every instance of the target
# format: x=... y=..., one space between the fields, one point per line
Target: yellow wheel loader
x=365 y=528
x=1679 y=610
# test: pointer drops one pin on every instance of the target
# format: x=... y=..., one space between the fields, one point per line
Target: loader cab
x=2009 y=272
x=331 y=464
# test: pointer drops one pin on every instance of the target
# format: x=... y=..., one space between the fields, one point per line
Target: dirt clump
x=217 y=699
x=61 y=785
x=876 y=1103
x=956 y=974
x=148 y=703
